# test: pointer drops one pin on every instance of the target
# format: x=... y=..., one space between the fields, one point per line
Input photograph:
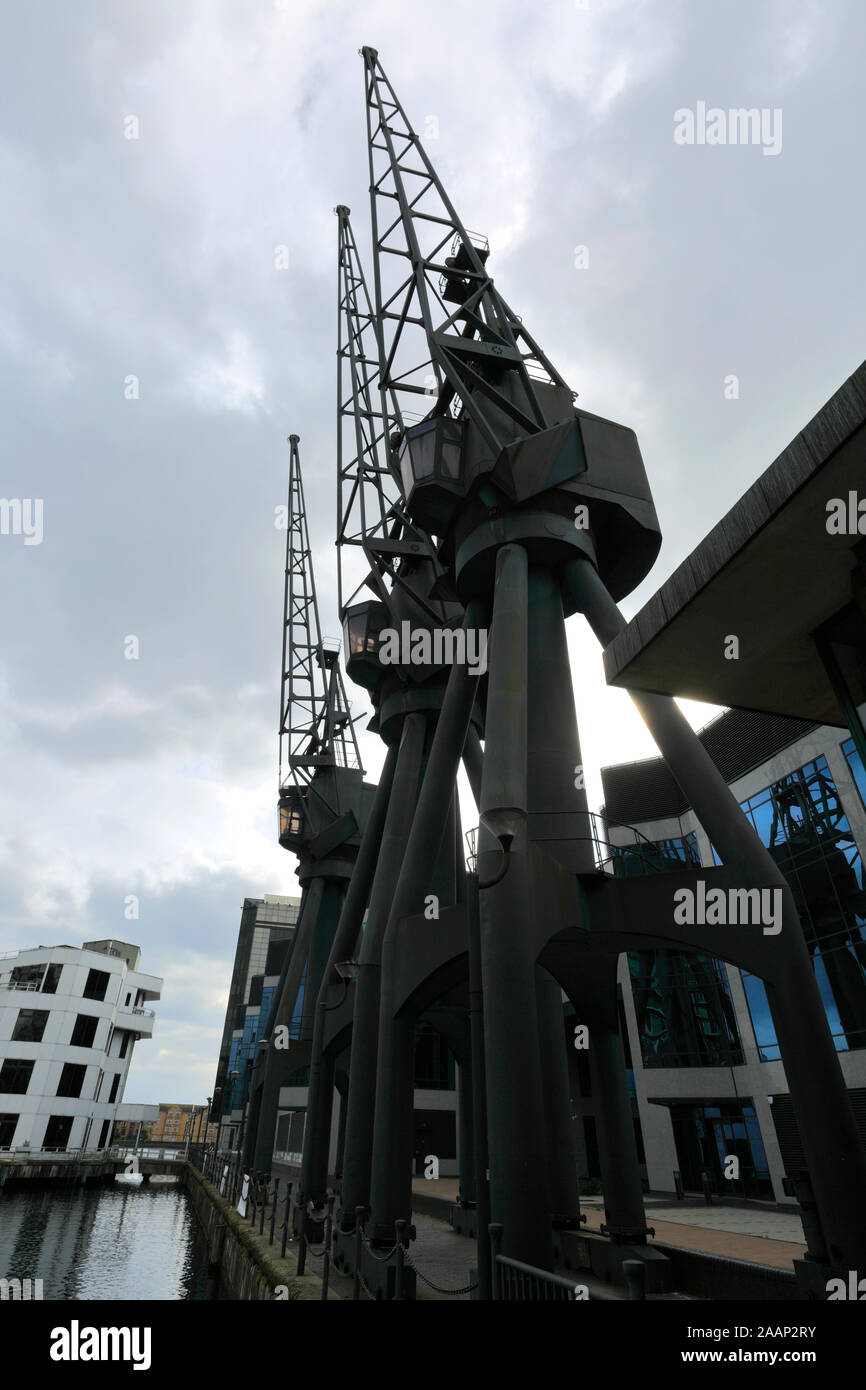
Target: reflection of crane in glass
x=683 y=1010
x=682 y=1006
x=811 y=841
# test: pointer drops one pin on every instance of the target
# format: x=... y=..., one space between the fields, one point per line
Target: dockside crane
x=323 y=807
x=541 y=510
x=381 y=550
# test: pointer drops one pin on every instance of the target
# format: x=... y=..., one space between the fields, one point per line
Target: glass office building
x=706 y=1069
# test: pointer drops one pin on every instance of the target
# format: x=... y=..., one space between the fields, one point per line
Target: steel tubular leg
x=314 y=1166
x=834 y=1154
x=333 y=897
x=479 y=1097
x=360 y=1107
x=519 y=1184
x=623 y=1196
x=391 y=1178
x=562 y=1159
x=466 y=1121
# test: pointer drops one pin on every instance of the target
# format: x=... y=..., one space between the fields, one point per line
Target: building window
x=52 y=979
x=103 y=1134
x=28 y=977
x=30 y=1025
x=685 y=1015
x=71 y=1080
x=97 y=984
x=15 y=1075
x=434 y=1063
x=802 y=822
x=654 y=856
x=57 y=1132
x=8 y=1122
x=855 y=763
x=84 y=1030
x=36 y=977
x=124 y=1043
x=112 y=1095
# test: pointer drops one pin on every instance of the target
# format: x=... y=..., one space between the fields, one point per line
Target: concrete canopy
x=769 y=573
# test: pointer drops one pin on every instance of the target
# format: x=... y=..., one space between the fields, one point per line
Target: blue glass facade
x=685 y=1014
x=855 y=763
x=242 y=1050
x=802 y=822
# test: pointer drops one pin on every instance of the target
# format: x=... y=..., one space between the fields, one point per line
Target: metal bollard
x=708 y=1191
x=400 y=1226
x=635 y=1278
x=264 y=1203
x=678 y=1185
x=494 y=1230
x=274 y=1211
x=326 y=1258
x=359 y=1240
x=286 y=1221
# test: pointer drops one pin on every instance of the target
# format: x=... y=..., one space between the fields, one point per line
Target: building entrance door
x=719 y=1139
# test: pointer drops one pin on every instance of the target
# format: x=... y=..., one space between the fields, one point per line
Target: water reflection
x=126 y=1240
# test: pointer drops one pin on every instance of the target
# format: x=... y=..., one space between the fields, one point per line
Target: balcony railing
x=652 y=859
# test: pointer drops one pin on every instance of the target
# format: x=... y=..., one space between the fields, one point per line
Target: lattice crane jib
x=503 y=434
x=445 y=327
x=379 y=548
x=316 y=729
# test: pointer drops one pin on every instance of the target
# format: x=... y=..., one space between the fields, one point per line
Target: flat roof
x=769 y=573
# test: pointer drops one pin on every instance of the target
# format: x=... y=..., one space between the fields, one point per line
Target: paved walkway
x=755 y=1233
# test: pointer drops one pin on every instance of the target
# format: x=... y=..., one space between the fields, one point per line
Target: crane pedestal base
x=576 y=1250
x=464 y=1220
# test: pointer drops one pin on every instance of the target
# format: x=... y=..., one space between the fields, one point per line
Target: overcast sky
x=154 y=258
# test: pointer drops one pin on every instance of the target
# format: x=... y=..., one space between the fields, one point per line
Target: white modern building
x=69 y=1020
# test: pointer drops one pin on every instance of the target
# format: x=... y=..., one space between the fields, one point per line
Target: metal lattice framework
x=469 y=336
x=316 y=727
x=370 y=513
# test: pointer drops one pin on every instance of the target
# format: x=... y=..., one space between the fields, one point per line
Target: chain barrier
x=383 y=1259
x=437 y=1288
x=363 y=1283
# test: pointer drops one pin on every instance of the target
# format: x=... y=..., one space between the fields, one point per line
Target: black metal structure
x=323 y=807
x=507 y=508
